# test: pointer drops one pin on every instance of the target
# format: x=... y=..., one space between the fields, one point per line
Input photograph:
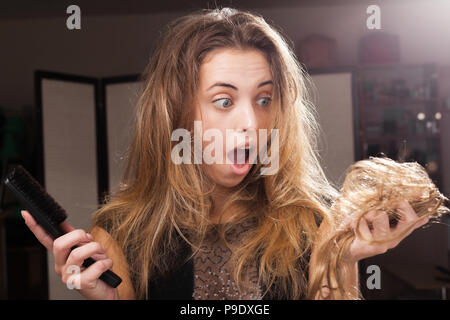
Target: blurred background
x=67 y=96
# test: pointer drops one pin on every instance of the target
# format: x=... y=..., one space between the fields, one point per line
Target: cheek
x=265 y=119
x=213 y=128
x=197 y=113
x=216 y=173
x=213 y=171
x=214 y=145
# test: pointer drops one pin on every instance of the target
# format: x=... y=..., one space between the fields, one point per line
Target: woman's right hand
x=87 y=281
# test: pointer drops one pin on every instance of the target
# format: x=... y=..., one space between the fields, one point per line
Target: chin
x=230 y=183
x=226 y=179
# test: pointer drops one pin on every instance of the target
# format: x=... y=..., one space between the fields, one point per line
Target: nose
x=246 y=118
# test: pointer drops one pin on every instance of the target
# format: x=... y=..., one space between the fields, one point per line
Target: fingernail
x=89 y=236
x=23 y=217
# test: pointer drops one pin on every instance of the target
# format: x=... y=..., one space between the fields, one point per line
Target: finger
x=407 y=215
x=62 y=246
x=370 y=216
x=347 y=222
x=95 y=256
x=39 y=232
x=364 y=230
x=78 y=255
x=99 y=256
x=89 y=277
x=380 y=226
x=423 y=221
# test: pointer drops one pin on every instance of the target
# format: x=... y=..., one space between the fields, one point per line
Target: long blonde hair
x=158 y=198
x=377 y=184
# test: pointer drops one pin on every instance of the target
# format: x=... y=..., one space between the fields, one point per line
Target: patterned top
x=213 y=268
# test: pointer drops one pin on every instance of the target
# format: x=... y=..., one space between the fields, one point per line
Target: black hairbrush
x=46 y=211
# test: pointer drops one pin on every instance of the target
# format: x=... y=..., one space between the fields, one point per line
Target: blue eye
x=222 y=105
x=267 y=101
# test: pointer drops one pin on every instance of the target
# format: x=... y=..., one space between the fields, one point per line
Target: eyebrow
x=223 y=84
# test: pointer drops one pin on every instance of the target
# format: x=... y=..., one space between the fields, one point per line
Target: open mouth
x=240 y=155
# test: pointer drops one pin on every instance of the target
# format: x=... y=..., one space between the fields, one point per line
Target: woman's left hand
x=362 y=248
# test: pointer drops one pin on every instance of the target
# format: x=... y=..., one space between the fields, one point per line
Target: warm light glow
x=438 y=116
x=421 y=116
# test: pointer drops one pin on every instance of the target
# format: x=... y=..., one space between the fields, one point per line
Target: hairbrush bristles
x=46 y=211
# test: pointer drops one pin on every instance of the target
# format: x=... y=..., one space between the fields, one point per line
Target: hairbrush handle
x=112 y=279
x=109 y=277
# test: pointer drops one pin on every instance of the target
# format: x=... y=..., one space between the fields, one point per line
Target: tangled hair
x=158 y=199
x=373 y=184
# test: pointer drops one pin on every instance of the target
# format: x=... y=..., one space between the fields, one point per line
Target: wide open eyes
x=225 y=103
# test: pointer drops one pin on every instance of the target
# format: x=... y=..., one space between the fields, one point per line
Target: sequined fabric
x=213 y=268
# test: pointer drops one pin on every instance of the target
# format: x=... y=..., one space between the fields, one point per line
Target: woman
x=216 y=230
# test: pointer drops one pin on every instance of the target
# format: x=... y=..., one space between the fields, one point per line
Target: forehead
x=234 y=65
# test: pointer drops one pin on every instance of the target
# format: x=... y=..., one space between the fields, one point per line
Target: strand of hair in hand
x=377 y=184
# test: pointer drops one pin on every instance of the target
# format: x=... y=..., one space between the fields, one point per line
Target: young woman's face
x=234 y=97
